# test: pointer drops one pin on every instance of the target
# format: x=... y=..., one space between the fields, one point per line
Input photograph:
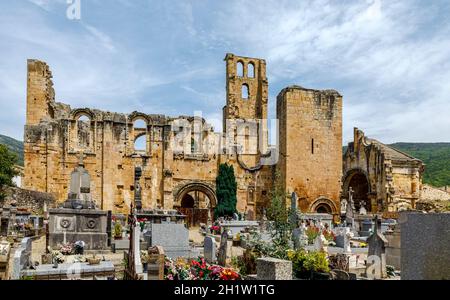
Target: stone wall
x=311 y=147
x=183 y=153
x=26 y=199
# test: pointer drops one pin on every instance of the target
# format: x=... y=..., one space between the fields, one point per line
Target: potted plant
x=117 y=231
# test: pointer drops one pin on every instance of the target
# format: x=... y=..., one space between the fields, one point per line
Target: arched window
x=83 y=131
x=240 y=69
x=251 y=70
x=139 y=123
x=245 y=92
x=140 y=144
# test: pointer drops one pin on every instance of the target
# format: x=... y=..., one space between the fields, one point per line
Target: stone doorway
x=197 y=201
x=361 y=189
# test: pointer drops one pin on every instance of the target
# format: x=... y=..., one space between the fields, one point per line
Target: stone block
x=425 y=246
x=269 y=268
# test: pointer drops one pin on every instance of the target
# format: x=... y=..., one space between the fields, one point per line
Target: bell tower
x=247 y=96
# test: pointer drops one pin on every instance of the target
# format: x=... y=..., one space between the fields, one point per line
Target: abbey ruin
x=179 y=163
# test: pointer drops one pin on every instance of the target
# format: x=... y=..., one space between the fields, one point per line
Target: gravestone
x=209 y=246
x=222 y=256
x=349 y=214
x=362 y=209
x=5 y=249
x=78 y=220
x=343 y=238
x=299 y=237
x=269 y=268
x=425 y=246
x=293 y=213
x=22 y=258
x=174 y=238
x=376 y=257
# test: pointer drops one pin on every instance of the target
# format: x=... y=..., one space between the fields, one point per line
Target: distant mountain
x=14 y=145
x=436 y=157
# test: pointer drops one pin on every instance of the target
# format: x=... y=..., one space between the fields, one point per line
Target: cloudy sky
x=389 y=59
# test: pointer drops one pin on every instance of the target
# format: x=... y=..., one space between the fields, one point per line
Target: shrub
x=117 y=230
x=304 y=263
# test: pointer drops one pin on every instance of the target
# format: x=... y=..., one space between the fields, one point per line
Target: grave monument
x=78 y=219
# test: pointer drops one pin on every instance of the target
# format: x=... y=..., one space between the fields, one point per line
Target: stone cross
x=350 y=206
x=222 y=256
x=348 y=235
x=80 y=186
x=294 y=201
x=362 y=209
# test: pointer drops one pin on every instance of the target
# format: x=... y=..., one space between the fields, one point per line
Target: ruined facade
x=179 y=157
x=383 y=178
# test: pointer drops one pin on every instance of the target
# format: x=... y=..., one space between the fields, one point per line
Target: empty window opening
x=245 y=91
x=84 y=131
x=140 y=124
x=312 y=146
x=140 y=144
x=251 y=70
x=240 y=69
x=194 y=146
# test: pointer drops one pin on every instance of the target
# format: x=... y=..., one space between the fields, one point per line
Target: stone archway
x=358 y=180
x=197 y=200
x=323 y=205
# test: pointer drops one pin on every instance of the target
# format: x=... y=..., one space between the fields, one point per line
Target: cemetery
x=79 y=242
x=197 y=209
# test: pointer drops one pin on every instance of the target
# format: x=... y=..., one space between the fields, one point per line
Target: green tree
x=278 y=214
x=226 y=188
x=7 y=171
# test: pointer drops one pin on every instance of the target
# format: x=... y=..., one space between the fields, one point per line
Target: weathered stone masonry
x=181 y=173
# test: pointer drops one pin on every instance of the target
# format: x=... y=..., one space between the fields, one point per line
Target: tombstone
x=320 y=243
x=349 y=214
x=22 y=258
x=78 y=220
x=222 y=256
x=376 y=257
x=209 y=246
x=343 y=206
x=80 y=188
x=5 y=249
x=269 y=268
x=174 y=238
x=134 y=269
x=293 y=214
x=296 y=232
x=299 y=237
x=425 y=246
x=348 y=235
x=362 y=208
